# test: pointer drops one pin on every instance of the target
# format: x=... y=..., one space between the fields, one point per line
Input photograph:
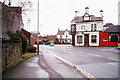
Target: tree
x=26 y=6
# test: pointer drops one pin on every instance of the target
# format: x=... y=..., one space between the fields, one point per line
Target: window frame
x=92 y=27
x=80 y=39
x=112 y=37
x=94 y=39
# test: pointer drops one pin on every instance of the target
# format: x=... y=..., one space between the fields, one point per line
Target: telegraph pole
x=38 y=31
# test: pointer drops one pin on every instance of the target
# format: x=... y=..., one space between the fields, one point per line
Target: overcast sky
x=56 y=14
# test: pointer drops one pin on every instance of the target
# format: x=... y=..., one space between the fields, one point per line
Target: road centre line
x=94 y=55
x=101 y=56
x=71 y=64
x=113 y=59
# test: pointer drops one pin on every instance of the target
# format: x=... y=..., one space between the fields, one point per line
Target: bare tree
x=26 y=7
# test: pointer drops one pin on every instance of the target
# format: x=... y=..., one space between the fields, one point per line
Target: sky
x=54 y=14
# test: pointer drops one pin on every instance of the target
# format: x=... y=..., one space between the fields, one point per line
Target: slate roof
x=80 y=18
x=108 y=25
x=113 y=28
x=61 y=32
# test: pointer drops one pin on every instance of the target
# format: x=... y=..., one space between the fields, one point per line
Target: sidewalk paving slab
x=27 y=69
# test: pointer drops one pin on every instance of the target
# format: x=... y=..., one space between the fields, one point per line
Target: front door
x=86 y=40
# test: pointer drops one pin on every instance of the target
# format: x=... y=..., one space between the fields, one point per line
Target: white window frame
x=80 y=40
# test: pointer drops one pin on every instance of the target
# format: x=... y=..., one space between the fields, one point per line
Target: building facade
x=50 y=37
x=64 y=36
x=85 y=29
x=110 y=36
x=11 y=18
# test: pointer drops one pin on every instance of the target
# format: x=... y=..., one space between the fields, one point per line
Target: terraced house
x=85 y=29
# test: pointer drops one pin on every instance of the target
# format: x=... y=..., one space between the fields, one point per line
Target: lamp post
x=38 y=31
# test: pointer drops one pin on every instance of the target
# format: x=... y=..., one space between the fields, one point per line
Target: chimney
x=76 y=13
x=86 y=9
x=101 y=13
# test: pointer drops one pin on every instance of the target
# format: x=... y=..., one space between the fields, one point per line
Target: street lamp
x=38 y=31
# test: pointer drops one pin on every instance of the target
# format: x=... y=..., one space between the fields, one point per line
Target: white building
x=119 y=13
x=85 y=29
x=64 y=36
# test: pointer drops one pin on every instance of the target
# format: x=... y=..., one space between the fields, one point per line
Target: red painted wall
x=104 y=40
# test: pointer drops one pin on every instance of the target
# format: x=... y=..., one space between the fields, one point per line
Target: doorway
x=86 y=40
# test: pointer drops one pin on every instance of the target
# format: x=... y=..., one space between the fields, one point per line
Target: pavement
x=27 y=69
x=44 y=65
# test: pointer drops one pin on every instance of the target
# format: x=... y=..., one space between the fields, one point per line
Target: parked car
x=51 y=43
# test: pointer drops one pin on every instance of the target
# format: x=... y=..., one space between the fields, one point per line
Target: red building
x=110 y=36
x=33 y=39
x=51 y=37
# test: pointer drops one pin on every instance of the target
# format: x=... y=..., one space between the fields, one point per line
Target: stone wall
x=11 y=53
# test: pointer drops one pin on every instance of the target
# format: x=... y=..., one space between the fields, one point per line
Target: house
x=11 y=18
x=85 y=29
x=27 y=34
x=33 y=40
x=107 y=25
x=31 y=37
x=64 y=36
x=110 y=36
x=50 y=37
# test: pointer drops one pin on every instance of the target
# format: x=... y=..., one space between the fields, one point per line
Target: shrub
x=18 y=35
x=31 y=49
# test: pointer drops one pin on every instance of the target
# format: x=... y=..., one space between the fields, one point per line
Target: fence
x=11 y=53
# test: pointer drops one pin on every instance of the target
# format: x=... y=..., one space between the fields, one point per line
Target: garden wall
x=11 y=53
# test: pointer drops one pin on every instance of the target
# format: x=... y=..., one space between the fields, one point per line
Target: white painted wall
x=82 y=44
x=90 y=34
x=94 y=44
x=66 y=33
x=88 y=26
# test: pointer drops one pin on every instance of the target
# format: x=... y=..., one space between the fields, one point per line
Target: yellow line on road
x=69 y=63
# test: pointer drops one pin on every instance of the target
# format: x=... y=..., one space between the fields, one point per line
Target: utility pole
x=38 y=31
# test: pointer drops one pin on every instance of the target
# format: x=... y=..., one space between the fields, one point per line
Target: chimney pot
x=86 y=9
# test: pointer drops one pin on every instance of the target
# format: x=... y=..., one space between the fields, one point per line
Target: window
x=72 y=28
x=60 y=36
x=82 y=27
x=79 y=39
x=66 y=36
x=95 y=27
x=113 y=37
x=91 y=27
x=93 y=39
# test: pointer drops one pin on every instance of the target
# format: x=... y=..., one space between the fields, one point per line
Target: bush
x=18 y=35
x=31 y=49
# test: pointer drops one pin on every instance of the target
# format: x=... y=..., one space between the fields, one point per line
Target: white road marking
x=101 y=56
x=113 y=59
x=95 y=55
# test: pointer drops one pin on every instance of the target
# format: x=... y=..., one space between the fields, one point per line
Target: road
x=100 y=62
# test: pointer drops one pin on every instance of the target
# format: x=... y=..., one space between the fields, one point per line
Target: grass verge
x=28 y=55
